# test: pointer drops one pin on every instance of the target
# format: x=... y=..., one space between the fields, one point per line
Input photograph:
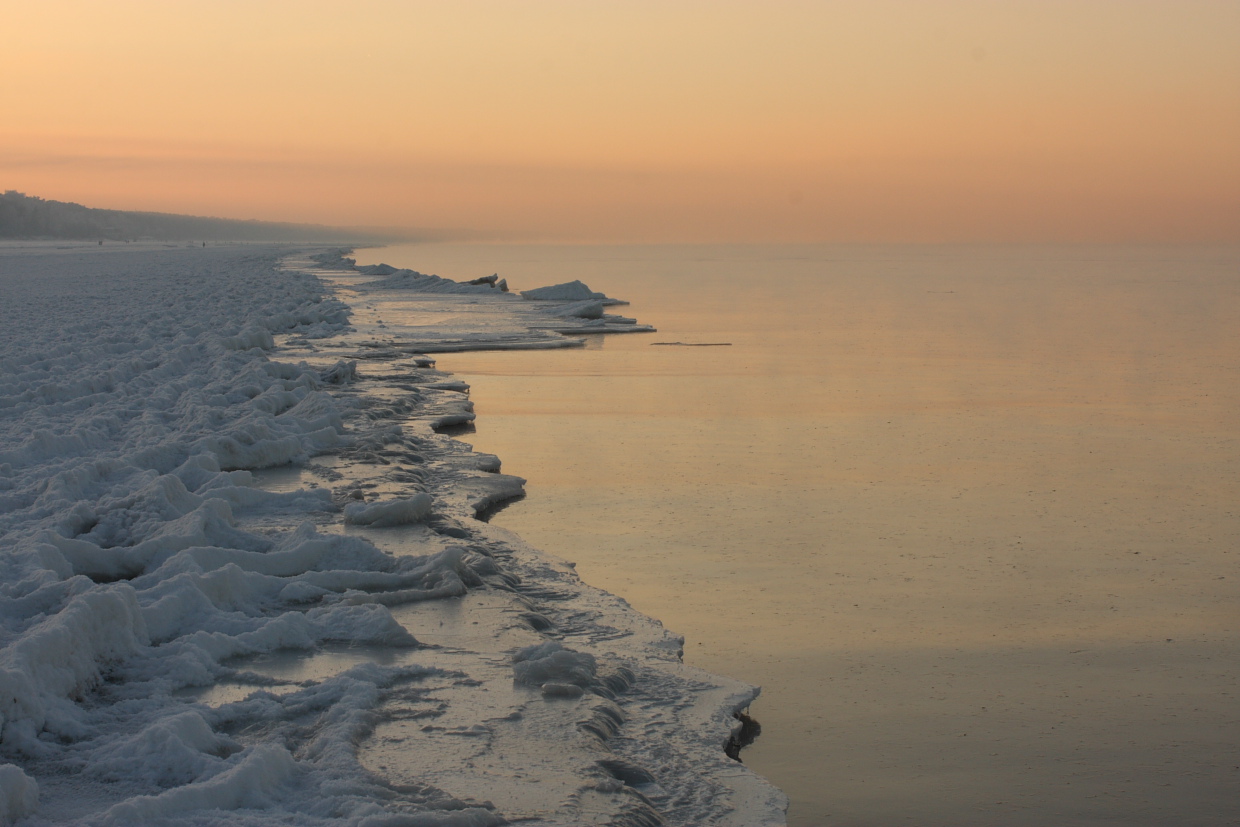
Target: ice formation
x=244 y=582
x=569 y=291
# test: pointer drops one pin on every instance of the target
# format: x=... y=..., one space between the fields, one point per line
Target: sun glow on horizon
x=952 y=120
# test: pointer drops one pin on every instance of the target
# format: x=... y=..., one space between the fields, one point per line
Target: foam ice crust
x=187 y=639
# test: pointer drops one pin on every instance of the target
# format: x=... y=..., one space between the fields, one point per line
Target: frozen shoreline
x=189 y=636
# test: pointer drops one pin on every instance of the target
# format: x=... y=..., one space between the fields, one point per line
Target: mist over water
x=968 y=515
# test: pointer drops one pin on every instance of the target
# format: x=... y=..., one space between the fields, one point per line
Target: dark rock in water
x=693 y=344
x=742 y=736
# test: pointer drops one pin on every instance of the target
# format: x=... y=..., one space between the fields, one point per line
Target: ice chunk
x=384 y=514
x=252 y=783
x=19 y=794
x=250 y=337
x=552 y=663
x=340 y=373
x=173 y=750
x=569 y=291
x=63 y=655
x=590 y=309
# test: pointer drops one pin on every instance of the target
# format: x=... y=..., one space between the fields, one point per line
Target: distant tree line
x=28 y=217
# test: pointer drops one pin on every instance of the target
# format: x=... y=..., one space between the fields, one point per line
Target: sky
x=640 y=120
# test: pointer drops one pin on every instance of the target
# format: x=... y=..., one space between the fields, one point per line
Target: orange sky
x=641 y=120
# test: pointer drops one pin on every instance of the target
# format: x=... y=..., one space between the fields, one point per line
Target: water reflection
x=969 y=516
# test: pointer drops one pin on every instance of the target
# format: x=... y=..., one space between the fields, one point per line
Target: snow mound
x=551 y=664
x=569 y=291
x=19 y=794
x=169 y=752
x=252 y=783
x=397 y=512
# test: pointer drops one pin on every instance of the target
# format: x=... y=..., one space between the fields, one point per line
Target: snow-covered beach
x=245 y=583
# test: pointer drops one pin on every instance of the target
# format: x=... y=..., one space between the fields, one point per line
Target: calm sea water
x=970 y=516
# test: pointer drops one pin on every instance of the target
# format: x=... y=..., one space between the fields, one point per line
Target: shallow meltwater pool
x=967 y=515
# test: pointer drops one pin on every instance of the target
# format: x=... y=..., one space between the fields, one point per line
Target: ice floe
x=243 y=579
